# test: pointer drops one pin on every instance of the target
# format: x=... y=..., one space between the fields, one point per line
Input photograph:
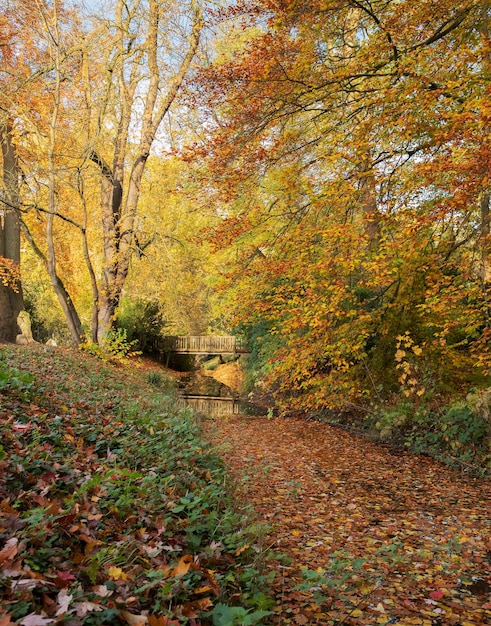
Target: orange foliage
x=360 y=133
x=9 y=273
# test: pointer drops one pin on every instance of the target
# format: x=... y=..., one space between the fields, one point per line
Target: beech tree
x=352 y=161
x=138 y=77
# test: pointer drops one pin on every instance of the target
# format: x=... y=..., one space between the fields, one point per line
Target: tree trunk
x=11 y=298
x=486 y=194
x=485 y=240
x=71 y=315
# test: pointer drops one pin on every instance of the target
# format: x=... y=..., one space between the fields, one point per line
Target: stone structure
x=24 y=323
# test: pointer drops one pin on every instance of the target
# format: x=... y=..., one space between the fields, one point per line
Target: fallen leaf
x=204 y=604
x=437 y=594
x=20 y=427
x=134 y=620
x=102 y=591
x=204 y=589
x=63 y=599
x=183 y=566
x=160 y=620
x=9 y=551
x=64 y=579
x=242 y=549
x=82 y=608
x=29 y=583
x=36 y=620
x=116 y=573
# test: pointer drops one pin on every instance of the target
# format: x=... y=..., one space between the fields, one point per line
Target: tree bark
x=11 y=297
x=486 y=193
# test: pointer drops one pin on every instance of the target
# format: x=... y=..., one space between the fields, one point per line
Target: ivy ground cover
x=113 y=509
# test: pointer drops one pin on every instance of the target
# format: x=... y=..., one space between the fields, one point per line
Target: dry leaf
x=63 y=599
x=82 y=608
x=9 y=551
x=36 y=620
x=134 y=620
x=102 y=591
x=183 y=566
x=116 y=573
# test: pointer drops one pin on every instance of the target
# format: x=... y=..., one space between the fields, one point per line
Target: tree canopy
x=351 y=160
x=319 y=180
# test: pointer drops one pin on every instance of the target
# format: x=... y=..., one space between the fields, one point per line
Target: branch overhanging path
x=375 y=536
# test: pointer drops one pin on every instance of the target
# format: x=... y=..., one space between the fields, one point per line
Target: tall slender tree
x=11 y=298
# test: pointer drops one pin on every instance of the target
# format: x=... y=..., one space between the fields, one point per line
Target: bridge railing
x=212 y=406
x=203 y=344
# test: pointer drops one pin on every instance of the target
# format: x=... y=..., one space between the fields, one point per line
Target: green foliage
x=337 y=577
x=224 y=615
x=155 y=379
x=459 y=434
x=142 y=322
x=348 y=580
x=12 y=378
x=114 y=346
x=263 y=345
x=47 y=320
x=117 y=344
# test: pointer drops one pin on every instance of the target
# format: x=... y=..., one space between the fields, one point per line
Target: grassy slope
x=111 y=504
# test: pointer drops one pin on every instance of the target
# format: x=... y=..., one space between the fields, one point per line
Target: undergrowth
x=113 y=508
x=458 y=434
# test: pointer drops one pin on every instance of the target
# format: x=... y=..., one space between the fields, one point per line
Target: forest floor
x=366 y=534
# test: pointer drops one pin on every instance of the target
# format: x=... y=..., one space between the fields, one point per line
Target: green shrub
x=115 y=345
x=47 y=319
x=118 y=345
x=142 y=321
x=458 y=434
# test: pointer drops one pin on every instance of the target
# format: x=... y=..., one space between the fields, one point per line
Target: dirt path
x=386 y=538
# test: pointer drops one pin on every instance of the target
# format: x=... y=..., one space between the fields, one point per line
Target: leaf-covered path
x=374 y=536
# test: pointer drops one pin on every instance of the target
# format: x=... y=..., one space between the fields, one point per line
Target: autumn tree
x=108 y=82
x=173 y=267
x=351 y=155
x=130 y=88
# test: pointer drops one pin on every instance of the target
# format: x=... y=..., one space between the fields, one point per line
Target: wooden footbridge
x=214 y=407
x=203 y=344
